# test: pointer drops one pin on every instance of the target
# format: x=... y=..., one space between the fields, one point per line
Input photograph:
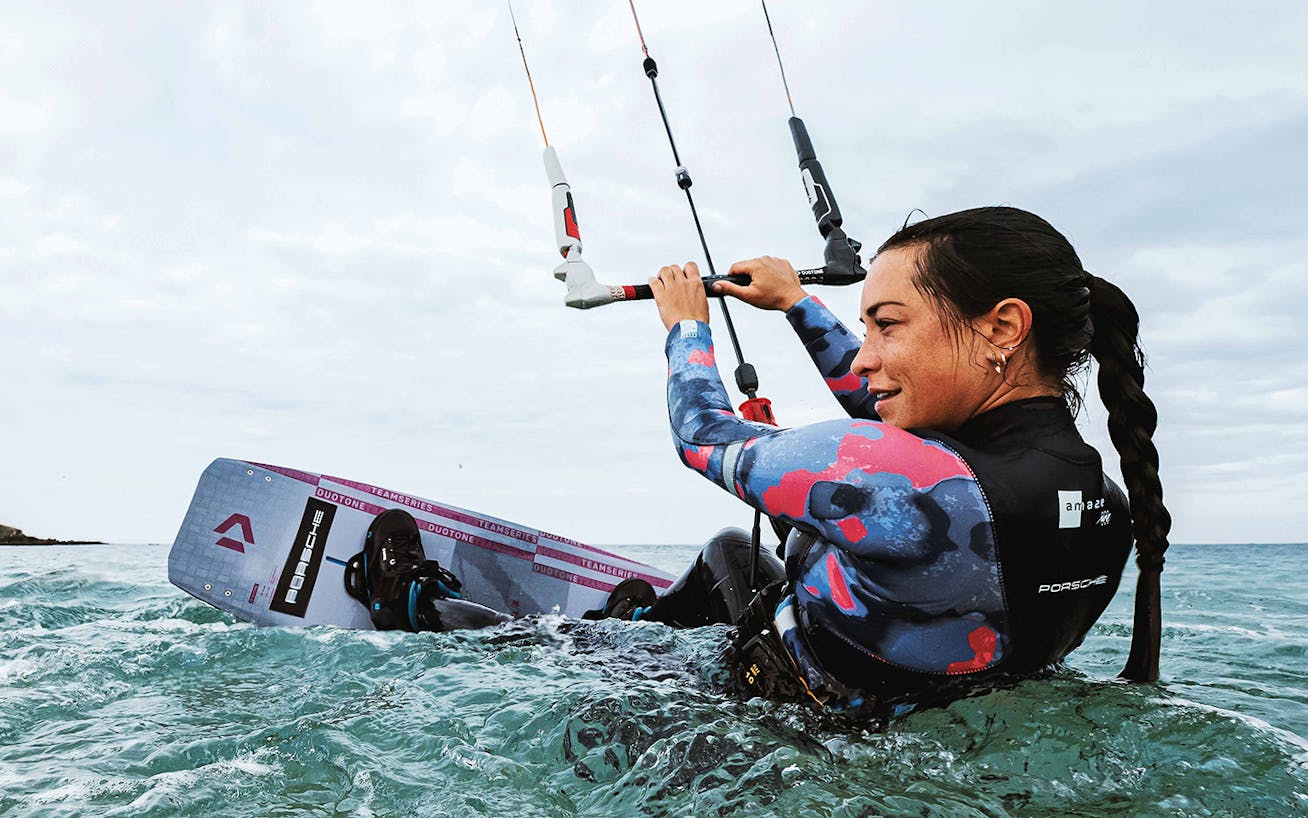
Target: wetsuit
x=919 y=557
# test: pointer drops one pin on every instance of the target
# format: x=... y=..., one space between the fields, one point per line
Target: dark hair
x=971 y=260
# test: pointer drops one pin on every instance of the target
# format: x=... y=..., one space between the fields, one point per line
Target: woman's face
x=929 y=375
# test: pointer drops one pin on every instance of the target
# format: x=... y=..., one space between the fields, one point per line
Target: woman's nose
x=865 y=362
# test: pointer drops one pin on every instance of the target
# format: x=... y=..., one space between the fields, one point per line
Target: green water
x=120 y=695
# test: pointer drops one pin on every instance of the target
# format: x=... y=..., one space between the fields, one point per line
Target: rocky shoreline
x=13 y=536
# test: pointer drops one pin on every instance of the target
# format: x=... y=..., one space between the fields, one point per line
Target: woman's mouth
x=881 y=396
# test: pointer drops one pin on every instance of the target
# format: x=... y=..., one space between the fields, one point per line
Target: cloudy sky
x=319 y=235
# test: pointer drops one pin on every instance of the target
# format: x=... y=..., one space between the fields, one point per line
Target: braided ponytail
x=1132 y=419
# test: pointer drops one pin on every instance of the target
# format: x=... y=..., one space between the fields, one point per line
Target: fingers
x=675 y=272
x=773 y=284
x=679 y=293
x=751 y=265
x=673 y=275
x=668 y=275
x=727 y=288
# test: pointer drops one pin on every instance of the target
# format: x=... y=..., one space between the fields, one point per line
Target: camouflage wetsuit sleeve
x=832 y=347
x=904 y=563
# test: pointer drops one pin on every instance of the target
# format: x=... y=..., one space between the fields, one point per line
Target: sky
x=318 y=234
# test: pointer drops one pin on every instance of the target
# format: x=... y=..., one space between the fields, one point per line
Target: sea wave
x=122 y=696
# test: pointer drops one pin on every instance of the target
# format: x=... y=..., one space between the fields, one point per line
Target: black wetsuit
x=920 y=558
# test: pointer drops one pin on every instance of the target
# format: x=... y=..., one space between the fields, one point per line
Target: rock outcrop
x=13 y=536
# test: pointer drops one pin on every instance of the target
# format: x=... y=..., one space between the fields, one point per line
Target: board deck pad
x=269 y=545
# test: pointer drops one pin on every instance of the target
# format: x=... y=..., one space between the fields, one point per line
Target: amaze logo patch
x=300 y=572
x=1070 y=506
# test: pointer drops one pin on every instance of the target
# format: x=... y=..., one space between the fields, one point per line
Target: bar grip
x=642 y=292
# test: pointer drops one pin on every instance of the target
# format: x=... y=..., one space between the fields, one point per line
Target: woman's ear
x=1007 y=324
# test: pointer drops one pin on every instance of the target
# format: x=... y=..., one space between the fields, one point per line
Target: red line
x=639 y=33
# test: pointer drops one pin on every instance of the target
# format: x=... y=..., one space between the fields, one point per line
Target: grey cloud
x=320 y=235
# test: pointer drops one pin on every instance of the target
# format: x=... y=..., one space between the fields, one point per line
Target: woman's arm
x=774 y=285
x=855 y=483
x=832 y=348
x=904 y=561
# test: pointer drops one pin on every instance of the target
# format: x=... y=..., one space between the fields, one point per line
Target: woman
x=957 y=529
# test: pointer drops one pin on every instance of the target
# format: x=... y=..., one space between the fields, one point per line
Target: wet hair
x=971 y=260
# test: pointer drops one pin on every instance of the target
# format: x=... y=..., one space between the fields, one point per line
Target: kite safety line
x=754 y=408
x=841 y=262
x=683 y=176
x=776 y=49
x=532 y=85
x=639 y=33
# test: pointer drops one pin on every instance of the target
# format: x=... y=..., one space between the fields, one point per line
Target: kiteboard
x=269 y=545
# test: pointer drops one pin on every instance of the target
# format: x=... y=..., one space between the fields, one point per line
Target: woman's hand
x=773 y=285
x=680 y=294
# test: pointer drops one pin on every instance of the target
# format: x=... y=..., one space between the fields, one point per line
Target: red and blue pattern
x=832 y=348
x=904 y=564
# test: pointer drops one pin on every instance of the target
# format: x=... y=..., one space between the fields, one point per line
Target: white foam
x=15 y=669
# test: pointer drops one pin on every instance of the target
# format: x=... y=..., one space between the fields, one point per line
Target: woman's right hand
x=773 y=284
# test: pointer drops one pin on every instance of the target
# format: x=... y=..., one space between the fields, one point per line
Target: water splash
x=122 y=696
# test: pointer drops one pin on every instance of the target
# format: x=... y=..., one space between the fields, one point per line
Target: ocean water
x=120 y=695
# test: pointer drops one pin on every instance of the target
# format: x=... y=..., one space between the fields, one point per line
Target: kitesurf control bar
x=640 y=292
x=841 y=266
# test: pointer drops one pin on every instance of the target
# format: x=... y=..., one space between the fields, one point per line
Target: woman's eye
x=884 y=323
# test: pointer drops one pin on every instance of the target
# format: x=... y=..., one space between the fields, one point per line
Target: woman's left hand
x=680 y=294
